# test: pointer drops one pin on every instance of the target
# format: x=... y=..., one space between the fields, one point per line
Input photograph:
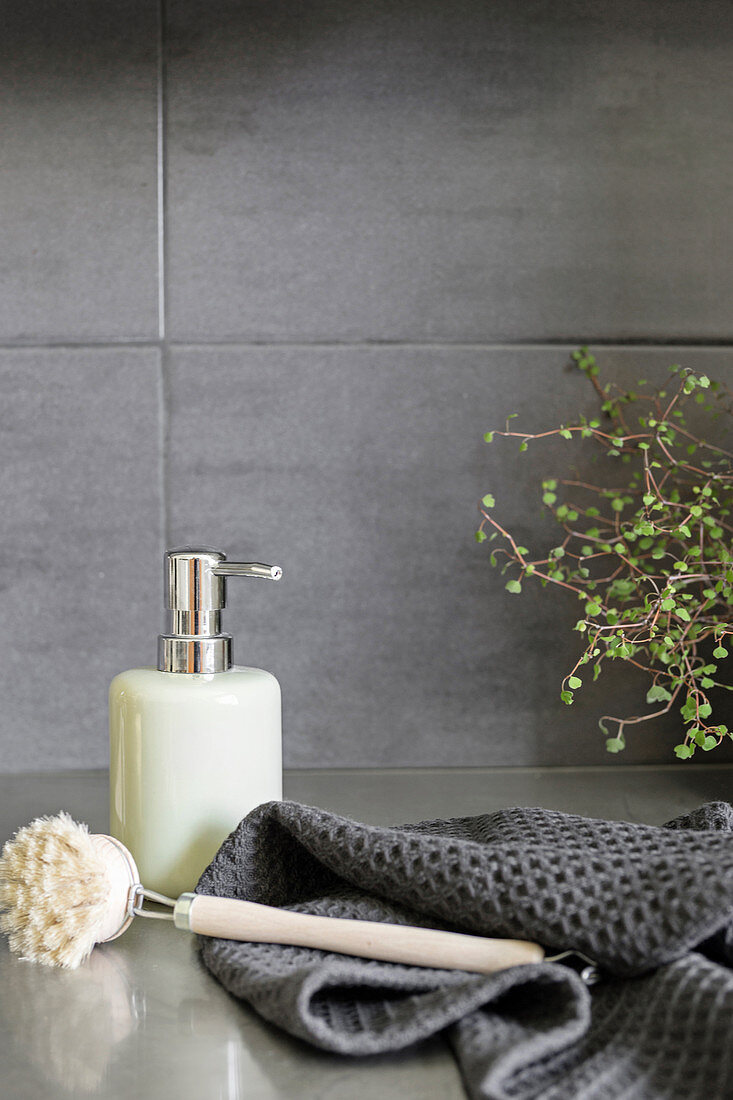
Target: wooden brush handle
x=246 y=920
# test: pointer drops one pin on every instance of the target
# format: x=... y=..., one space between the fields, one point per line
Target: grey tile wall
x=81 y=531
x=359 y=471
x=78 y=171
x=463 y=171
x=382 y=227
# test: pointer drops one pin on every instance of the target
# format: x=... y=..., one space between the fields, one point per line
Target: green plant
x=649 y=554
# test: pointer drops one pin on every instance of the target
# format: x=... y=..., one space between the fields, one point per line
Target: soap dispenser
x=195 y=743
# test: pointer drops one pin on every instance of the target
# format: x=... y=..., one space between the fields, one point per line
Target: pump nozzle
x=248 y=569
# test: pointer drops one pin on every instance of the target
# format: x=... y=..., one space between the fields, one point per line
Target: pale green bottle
x=195 y=743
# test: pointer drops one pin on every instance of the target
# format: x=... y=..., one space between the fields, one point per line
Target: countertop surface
x=143 y=1019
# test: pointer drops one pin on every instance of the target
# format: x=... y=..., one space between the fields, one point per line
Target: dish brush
x=64 y=889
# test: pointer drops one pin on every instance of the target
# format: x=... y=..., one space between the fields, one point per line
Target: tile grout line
x=479 y=345
x=162 y=434
x=133 y=342
x=163 y=445
x=163 y=366
x=690 y=344
x=160 y=171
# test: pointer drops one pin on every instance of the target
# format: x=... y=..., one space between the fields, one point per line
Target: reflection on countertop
x=70 y=1022
x=144 y=1019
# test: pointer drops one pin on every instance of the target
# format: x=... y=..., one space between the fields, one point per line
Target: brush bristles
x=53 y=892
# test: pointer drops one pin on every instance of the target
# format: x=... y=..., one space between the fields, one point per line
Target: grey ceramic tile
x=80 y=545
x=358 y=470
x=449 y=171
x=78 y=167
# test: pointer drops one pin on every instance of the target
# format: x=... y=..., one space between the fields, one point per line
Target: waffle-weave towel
x=652 y=905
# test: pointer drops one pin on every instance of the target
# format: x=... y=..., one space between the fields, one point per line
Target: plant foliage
x=648 y=556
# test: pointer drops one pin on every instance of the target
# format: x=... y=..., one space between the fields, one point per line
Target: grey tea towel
x=652 y=905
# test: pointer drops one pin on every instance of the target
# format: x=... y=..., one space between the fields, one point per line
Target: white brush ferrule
x=123 y=879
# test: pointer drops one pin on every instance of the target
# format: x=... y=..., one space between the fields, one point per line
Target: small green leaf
x=575 y=682
x=488 y=501
x=614 y=744
x=567 y=698
x=683 y=751
x=709 y=743
x=592 y=608
x=683 y=614
x=566 y=433
x=488 y=437
x=668 y=604
x=513 y=586
x=720 y=651
x=548 y=498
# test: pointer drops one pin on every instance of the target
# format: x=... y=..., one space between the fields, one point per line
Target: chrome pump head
x=195 y=595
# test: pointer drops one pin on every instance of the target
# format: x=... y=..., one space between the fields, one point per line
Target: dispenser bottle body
x=190 y=755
